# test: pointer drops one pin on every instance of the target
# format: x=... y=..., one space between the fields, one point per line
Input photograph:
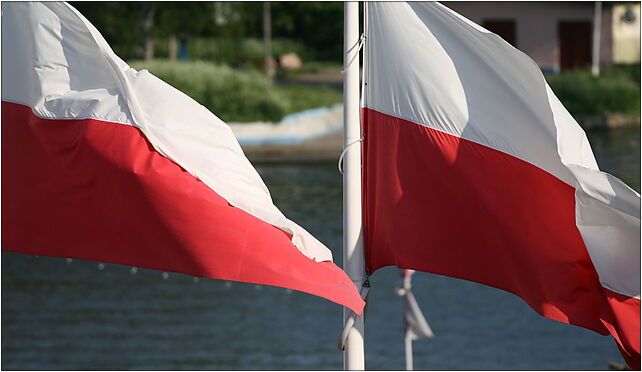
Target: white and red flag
x=103 y=162
x=474 y=169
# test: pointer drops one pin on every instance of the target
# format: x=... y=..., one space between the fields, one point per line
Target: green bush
x=230 y=94
x=616 y=90
x=239 y=96
x=630 y=71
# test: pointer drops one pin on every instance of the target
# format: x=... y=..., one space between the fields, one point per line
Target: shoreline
x=328 y=148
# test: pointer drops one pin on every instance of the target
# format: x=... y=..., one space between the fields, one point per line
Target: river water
x=80 y=315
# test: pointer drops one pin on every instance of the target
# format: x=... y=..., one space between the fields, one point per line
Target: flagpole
x=353 y=258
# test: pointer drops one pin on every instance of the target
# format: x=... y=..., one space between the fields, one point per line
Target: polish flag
x=103 y=162
x=474 y=169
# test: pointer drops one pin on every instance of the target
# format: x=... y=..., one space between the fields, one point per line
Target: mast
x=353 y=257
x=407 y=277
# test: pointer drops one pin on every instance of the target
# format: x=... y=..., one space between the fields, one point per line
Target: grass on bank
x=304 y=97
x=239 y=96
x=247 y=52
x=310 y=68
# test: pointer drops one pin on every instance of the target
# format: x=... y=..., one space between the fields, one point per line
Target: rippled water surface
x=73 y=315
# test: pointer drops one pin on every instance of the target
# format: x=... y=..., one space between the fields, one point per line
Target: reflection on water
x=60 y=315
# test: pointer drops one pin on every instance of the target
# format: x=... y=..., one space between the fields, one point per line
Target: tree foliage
x=317 y=25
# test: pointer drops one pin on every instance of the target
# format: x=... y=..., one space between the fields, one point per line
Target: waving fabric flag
x=474 y=169
x=102 y=162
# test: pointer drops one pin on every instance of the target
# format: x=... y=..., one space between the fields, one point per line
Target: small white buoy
x=165 y=275
x=69 y=260
x=195 y=279
x=101 y=266
x=134 y=270
x=228 y=284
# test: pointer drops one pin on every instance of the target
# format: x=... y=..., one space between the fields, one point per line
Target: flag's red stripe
x=438 y=203
x=623 y=321
x=96 y=190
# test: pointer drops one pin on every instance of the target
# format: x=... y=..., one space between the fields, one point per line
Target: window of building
x=574 y=39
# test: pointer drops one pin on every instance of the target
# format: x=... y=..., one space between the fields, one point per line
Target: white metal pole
x=353 y=258
x=597 y=33
x=407 y=277
x=408 y=339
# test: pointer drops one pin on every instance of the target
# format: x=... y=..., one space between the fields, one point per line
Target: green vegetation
x=310 y=68
x=304 y=97
x=240 y=96
x=616 y=90
x=245 y=53
x=317 y=25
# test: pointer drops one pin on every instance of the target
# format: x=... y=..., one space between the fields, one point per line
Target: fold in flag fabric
x=103 y=162
x=474 y=169
x=415 y=324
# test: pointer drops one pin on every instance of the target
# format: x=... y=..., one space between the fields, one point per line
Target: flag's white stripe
x=431 y=66
x=75 y=74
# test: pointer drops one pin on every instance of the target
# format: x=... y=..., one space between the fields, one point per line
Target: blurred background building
x=559 y=35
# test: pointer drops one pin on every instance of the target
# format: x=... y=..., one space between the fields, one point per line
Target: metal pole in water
x=408 y=340
x=353 y=258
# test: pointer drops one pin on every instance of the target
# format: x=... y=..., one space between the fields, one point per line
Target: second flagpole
x=353 y=256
